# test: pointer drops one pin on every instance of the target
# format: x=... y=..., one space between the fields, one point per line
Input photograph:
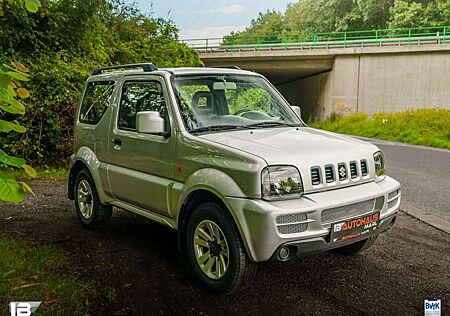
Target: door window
x=137 y=97
x=95 y=101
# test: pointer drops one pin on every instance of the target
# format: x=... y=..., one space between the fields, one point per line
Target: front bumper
x=257 y=219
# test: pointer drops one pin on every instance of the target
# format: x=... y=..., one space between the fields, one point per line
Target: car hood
x=302 y=147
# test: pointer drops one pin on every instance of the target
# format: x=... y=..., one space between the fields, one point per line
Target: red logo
x=360 y=222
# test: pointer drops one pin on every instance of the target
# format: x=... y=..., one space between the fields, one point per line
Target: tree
x=319 y=16
x=269 y=23
x=406 y=14
x=61 y=45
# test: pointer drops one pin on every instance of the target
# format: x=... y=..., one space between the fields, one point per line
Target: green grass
x=31 y=272
x=427 y=127
x=45 y=173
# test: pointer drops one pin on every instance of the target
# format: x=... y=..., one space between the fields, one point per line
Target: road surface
x=424 y=174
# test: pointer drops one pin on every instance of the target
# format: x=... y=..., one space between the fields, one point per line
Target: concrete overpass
x=350 y=78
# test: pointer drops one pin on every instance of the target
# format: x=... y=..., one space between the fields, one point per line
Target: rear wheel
x=356 y=247
x=90 y=211
x=215 y=250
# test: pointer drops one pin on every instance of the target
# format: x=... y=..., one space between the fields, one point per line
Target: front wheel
x=215 y=250
x=90 y=211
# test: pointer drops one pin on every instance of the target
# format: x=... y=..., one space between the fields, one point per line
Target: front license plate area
x=354 y=227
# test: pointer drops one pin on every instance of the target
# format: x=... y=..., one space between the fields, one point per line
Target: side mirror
x=150 y=122
x=297 y=111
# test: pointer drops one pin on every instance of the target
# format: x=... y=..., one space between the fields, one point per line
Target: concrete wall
x=374 y=83
x=311 y=94
x=390 y=83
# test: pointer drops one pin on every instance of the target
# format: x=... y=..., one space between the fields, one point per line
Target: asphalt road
x=139 y=261
x=424 y=174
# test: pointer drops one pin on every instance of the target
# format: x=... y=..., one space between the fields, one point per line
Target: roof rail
x=147 y=67
x=227 y=67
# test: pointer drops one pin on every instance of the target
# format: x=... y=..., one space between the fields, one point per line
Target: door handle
x=117 y=142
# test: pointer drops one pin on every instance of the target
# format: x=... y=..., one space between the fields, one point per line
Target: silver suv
x=218 y=155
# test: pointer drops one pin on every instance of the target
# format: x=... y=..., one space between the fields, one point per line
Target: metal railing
x=386 y=37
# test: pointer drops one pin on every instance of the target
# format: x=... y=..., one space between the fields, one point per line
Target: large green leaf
x=18 y=75
x=6 y=127
x=4 y=80
x=32 y=5
x=30 y=171
x=15 y=107
x=10 y=160
x=10 y=190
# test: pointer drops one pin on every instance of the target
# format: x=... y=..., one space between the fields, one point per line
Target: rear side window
x=137 y=97
x=95 y=102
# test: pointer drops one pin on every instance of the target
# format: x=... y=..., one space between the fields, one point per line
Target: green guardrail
x=319 y=40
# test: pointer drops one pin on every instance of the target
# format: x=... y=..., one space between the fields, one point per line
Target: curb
x=387 y=142
x=430 y=219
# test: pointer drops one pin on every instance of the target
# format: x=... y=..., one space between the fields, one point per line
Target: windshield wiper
x=214 y=128
x=270 y=124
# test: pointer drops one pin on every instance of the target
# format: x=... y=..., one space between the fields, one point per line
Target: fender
x=98 y=170
x=213 y=180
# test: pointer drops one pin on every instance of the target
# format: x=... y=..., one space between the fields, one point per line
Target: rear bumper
x=257 y=219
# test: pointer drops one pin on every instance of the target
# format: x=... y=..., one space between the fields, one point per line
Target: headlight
x=281 y=182
x=379 y=163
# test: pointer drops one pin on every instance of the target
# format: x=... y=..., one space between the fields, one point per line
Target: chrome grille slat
x=364 y=168
x=347 y=211
x=329 y=173
x=315 y=176
x=353 y=170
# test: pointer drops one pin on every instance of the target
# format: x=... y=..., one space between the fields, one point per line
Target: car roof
x=177 y=71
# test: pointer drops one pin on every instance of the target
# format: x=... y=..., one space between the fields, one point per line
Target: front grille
x=315 y=176
x=364 y=168
x=353 y=170
x=392 y=203
x=292 y=229
x=291 y=218
x=292 y=223
x=341 y=172
x=329 y=173
x=393 y=194
x=348 y=211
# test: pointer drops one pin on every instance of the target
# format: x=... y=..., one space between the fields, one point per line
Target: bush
x=427 y=127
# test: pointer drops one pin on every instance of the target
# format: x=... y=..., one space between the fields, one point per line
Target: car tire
x=90 y=212
x=356 y=247
x=227 y=269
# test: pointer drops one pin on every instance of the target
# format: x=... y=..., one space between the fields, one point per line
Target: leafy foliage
x=315 y=16
x=10 y=93
x=428 y=127
x=61 y=44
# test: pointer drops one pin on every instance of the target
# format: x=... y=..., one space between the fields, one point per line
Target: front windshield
x=225 y=102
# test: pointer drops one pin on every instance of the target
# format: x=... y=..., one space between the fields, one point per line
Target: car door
x=141 y=165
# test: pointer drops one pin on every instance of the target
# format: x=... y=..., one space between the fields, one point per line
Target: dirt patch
x=136 y=261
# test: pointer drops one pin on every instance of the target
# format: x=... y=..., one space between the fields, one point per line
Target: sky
x=210 y=18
